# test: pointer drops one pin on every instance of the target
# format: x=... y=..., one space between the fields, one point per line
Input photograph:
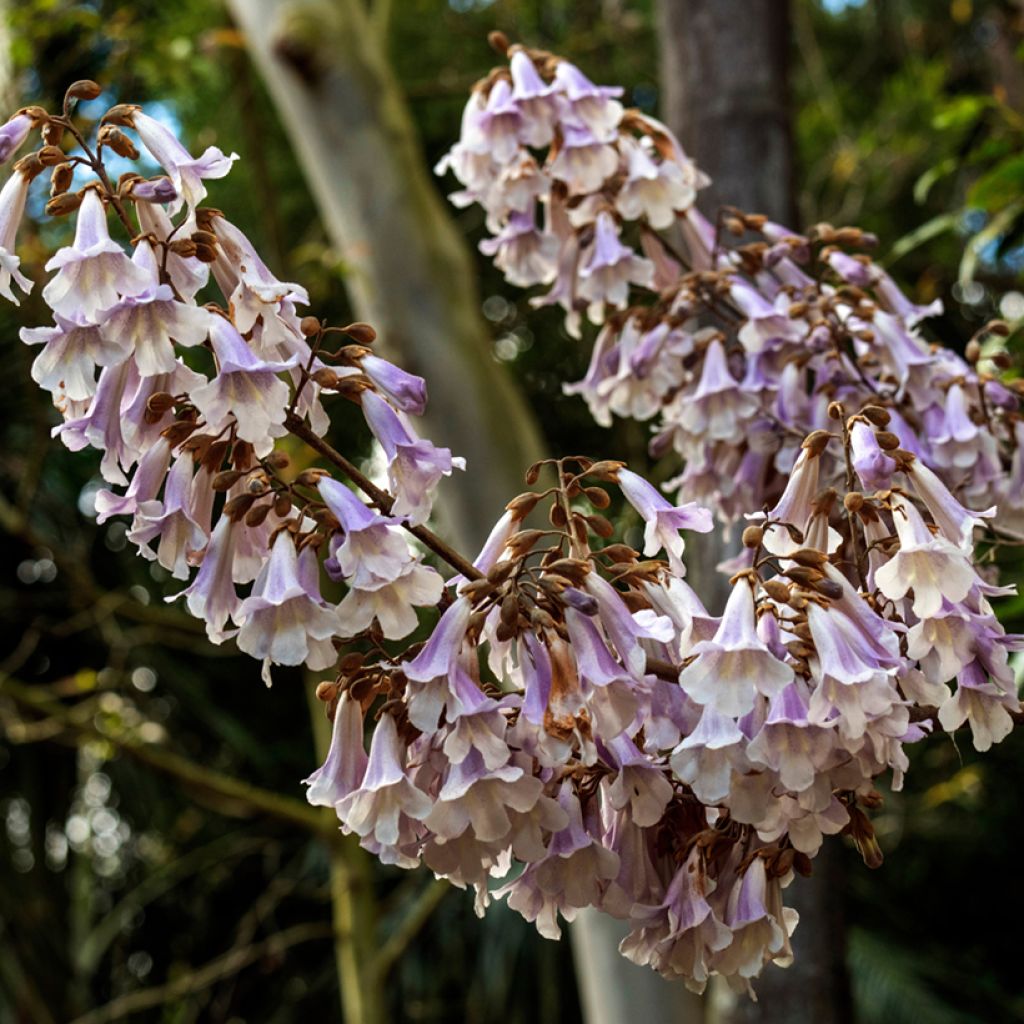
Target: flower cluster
x=577 y=711
x=541 y=133
x=179 y=428
x=733 y=352
x=577 y=730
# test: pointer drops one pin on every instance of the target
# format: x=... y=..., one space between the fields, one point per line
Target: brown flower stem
x=381 y=498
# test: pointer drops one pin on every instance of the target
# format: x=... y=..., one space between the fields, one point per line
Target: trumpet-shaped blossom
x=93 y=274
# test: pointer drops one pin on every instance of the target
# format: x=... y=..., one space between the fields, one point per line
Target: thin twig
x=186 y=771
x=203 y=977
x=381 y=498
x=398 y=941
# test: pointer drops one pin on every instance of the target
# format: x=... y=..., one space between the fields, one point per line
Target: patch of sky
x=838 y=6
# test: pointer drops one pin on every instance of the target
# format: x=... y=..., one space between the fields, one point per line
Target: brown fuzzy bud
x=597 y=496
x=835 y=411
x=532 y=474
x=999 y=327
x=352 y=387
x=753 y=536
x=498 y=41
x=121 y=114
x=816 y=442
x=204 y=238
x=1003 y=360
x=311 y=477
x=239 y=505
x=178 y=431
x=601 y=526
x=523 y=504
x=972 y=353
x=804 y=575
x=30 y=166
x=84 y=89
x=477 y=590
x=326 y=690
x=257 y=514
x=810 y=557
x=734 y=226
x=501 y=571
x=159 y=402
x=309 y=325
x=53 y=133
x=183 y=247
x=206 y=253
x=50 y=156
x=361 y=333
x=887 y=440
x=60 y=180
x=520 y=543
x=243 y=456
x=635 y=601
x=64 y=204
x=326 y=378
x=853 y=502
x=509 y=609
x=777 y=590
x=573 y=569
x=556 y=515
x=876 y=414
x=606 y=469
x=115 y=139
x=226 y=480
x=282 y=505
x=619 y=553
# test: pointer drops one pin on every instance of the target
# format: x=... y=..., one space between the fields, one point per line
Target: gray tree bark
x=409 y=271
x=724 y=72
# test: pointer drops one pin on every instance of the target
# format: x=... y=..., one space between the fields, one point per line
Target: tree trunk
x=409 y=271
x=724 y=72
x=724 y=76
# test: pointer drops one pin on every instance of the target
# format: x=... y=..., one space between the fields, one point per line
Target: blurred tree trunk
x=724 y=70
x=408 y=271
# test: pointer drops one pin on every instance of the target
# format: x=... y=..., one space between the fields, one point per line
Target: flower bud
x=309 y=325
x=50 y=156
x=121 y=114
x=53 y=132
x=115 y=139
x=817 y=441
x=362 y=333
x=60 y=179
x=84 y=89
x=64 y=204
x=183 y=247
x=753 y=536
x=499 y=42
x=876 y=414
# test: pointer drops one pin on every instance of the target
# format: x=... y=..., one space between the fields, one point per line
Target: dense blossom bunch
x=190 y=399
x=734 y=353
x=577 y=730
